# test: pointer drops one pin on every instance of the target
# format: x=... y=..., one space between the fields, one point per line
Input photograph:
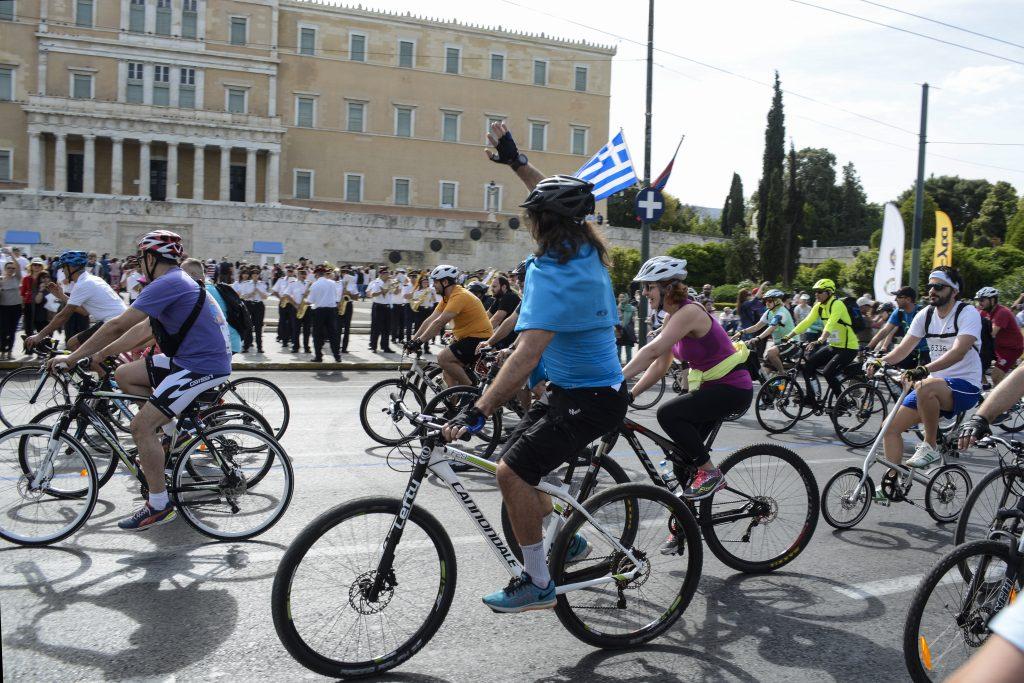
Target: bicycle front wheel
x=840 y=507
x=18 y=388
x=949 y=614
x=996 y=490
x=858 y=415
x=99 y=451
x=215 y=488
x=765 y=515
x=48 y=486
x=320 y=595
x=374 y=409
x=649 y=398
x=777 y=404
x=263 y=396
x=641 y=600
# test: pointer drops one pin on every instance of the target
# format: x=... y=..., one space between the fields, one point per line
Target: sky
x=851 y=86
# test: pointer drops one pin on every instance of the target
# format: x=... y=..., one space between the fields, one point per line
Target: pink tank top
x=706 y=352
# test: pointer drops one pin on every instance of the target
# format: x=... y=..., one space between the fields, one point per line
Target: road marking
x=878 y=589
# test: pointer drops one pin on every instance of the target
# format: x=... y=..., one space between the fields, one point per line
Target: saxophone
x=418 y=299
x=343 y=305
x=304 y=306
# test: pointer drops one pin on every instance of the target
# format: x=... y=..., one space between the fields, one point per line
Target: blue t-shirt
x=901 y=319
x=170 y=298
x=236 y=339
x=575 y=301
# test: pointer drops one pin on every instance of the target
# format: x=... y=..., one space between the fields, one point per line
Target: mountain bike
x=228 y=481
x=995 y=491
x=263 y=396
x=29 y=389
x=385 y=569
x=422 y=379
x=848 y=495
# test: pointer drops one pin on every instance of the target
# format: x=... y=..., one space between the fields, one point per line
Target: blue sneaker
x=578 y=548
x=520 y=595
x=146 y=517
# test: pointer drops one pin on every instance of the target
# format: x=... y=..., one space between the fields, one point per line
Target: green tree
x=1015 y=227
x=794 y=218
x=704 y=262
x=859 y=275
x=732 y=212
x=625 y=264
x=829 y=268
x=816 y=178
x=927 y=222
x=771 y=232
x=960 y=198
x=741 y=258
x=996 y=211
x=851 y=226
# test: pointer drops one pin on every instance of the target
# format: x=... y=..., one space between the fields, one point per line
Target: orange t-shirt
x=470 y=316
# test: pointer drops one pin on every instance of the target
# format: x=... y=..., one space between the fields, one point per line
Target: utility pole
x=915 y=254
x=645 y=226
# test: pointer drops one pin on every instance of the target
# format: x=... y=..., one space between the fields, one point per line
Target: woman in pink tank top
x=689 y=334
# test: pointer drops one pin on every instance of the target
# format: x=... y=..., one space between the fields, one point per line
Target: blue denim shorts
x=965 y=397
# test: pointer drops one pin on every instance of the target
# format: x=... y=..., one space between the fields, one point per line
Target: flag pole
x=645 y=226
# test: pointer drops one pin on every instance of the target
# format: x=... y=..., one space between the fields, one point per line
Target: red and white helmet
x=163 y=243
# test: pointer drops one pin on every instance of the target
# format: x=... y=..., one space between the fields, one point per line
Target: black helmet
x=520 y=270
x=564 y=195
x=477 y=288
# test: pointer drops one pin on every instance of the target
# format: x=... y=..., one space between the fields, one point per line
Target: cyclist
x=898 y=324
x=567 y=317
x=719 y=379
x=953 y=331
x=90 y=295
x=468 y=317
x=195 y=356
x=1009 y=343
x=778 y=321
x=837 y=333
x=505 y=303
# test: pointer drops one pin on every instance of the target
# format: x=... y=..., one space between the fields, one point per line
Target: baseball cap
x=909 y=292
x=864 y=301
x=805 y=297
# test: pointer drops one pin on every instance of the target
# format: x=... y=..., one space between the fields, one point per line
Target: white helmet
x=987 y=293
x=661 y=268
x=443 y=272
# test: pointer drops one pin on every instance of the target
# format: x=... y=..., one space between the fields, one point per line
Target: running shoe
x=579 y=548
x=670 y=546
x=146 y=517
x=704 y=484
x=521 y=595
x=924 y=455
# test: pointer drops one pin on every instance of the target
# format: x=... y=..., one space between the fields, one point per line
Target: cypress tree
x=794 y=219
x=771 y=229
x=732 y=212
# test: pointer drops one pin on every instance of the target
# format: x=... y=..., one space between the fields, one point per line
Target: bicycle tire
x=91 y=442
x=987 y=497
x=913 y=652
x=82 y=467
x=1014 y=420
x=942 y=490
x=805 y=527
x=388 y=386
x=286 y=607
x=243 y=415
x=279 y=424
x=864 y=399
x=692 y=559
x=449 y=402
x=788 y=400
x=860 y=506
x=17 y=388
x=647 y=400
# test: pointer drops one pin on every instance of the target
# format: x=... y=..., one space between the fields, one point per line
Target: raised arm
x=506 y=152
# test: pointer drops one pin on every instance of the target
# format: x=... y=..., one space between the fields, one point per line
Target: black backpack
x=237 y=313
x=170 y=343
x=857 y=322
x=988 y=342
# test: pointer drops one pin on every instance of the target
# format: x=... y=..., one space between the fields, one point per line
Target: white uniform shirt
x=281 y=286
x=377 y=293
x=347 y=285
x=969 y=323
x=94 y=295
x=296 y=290
x=323 y=293
x=132 y=280
x=399 y=297
x=250 y=290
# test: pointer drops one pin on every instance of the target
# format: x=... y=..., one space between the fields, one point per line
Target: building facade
x=284 y=103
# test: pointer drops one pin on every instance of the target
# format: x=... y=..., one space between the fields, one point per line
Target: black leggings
x=833 y=360
x=9 y=316
x=688 y=419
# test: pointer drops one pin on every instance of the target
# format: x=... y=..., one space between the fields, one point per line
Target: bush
x=1010 y=286
x=726 y=294
x=704 y=262
x=625 y=264
x=859 y=276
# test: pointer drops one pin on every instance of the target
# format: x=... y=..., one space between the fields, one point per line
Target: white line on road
x=878 y=589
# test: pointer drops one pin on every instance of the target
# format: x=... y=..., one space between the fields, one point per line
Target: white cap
x=805 y=297
x=864 y=301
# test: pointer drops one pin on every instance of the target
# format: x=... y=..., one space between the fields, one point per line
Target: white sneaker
x=924 y=455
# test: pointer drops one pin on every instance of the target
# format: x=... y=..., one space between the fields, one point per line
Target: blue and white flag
x=611 y=169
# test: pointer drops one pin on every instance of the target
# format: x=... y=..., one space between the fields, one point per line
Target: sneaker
x=670 y=546
x=146 y=517
x=578 y=548
x=521 y=595
x=704 y=484
x=924 y=455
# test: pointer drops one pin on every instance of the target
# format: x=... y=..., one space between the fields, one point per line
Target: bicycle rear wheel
x=649 y=398
x=778 y=404
x=264 y=397
x=450 y=402
x=858 y=415
x=215 y=488
x=626 y=612
x=17 y=389
x=378 y=424
x=102 y=455
x=319 y=596
x=766 y=514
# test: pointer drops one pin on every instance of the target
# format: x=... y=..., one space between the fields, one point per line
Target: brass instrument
x=286 y=300
x=303 y=307
x=343 y=305
x=418 y=299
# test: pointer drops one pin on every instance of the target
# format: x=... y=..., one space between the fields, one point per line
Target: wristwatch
x=520 y=160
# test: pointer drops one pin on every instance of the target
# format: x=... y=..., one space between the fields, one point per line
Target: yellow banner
x=943 y=240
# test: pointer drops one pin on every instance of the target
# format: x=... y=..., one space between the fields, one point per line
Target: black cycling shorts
x=464 y=349
x=84 y=335
x=560 y=426
x=174 y=387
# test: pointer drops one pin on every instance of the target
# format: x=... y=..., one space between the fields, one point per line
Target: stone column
x=250 y=176
x=172 y=170
x=273 y=176
x=144 y=187
x=60 y=164
x=89 y=165
x=225 y=174
x=116 y=166
x=35 y=158
x=198 y=171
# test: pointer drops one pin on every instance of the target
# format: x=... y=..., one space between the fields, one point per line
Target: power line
x=943 y=23
x=906 y=30
x=984 y=144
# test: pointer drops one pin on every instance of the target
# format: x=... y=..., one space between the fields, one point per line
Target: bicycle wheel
x=626 y=612
x=39 y=513
x=946 y=493
x=948 y=617
x=212 y=484
x=261 y=395
x=450 y=402
x=103 y=457
x=778 y=404
x=989 y=496
x=858 y=415
x=609 y=474
x=1013 y=419
x=766 y=514
x=648 y=398
x=840 y=508
x=17 y=389
x=373 y=411
x=319 y=596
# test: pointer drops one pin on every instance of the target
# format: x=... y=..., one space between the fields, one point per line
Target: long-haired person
x=10 y=307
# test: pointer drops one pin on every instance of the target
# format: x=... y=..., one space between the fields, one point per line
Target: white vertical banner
x=889 y=271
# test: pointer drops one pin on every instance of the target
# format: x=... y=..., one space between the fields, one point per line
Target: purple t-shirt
x=206 y=349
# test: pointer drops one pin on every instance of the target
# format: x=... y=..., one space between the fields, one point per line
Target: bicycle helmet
x=520 y=270
x=888 y=307
x=445 y=272
x=987 y=293
x=563 y=195
x=478 y=288
x=824 y=284
x=662 y=268
x=164 y=243
x=774 y=294
x=73 y=259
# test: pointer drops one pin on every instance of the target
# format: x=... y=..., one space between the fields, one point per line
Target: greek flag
x=610 y=170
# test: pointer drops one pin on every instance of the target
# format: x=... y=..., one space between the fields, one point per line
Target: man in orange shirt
x=467 y=315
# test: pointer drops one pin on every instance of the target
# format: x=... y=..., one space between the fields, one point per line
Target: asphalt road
x=168 y=604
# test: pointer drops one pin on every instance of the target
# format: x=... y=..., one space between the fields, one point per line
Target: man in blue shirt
x=895 y=328
x=567 y=321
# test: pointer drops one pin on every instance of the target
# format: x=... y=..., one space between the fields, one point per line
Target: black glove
x=508 y=153
x=413 y=346
x=470 y=418
x=975 y=429
x=915 y=374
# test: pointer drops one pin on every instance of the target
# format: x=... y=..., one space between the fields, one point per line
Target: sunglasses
x=937 y=287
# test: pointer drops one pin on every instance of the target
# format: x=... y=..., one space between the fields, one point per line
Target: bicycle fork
x=384 y=577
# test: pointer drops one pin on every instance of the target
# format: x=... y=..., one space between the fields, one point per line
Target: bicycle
x=993 y=492
x=263 y=396
x=954 y=603
x=219 y=476
x=25 y=390
x=374 y=410
x=397 y=555
x=848 y=495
